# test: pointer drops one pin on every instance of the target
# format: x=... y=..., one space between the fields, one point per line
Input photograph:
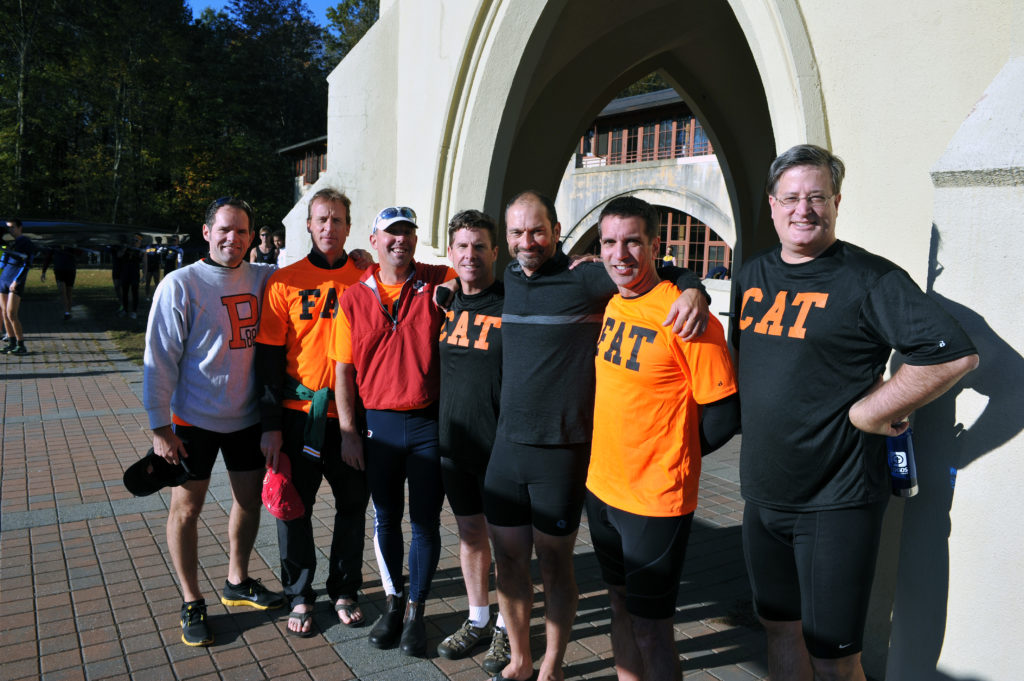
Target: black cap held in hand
x=152 y=473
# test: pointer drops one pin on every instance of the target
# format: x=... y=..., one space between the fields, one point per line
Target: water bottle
x=902 y=469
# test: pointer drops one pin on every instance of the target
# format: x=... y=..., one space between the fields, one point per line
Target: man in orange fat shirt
x=645 y=460
x=299 y=417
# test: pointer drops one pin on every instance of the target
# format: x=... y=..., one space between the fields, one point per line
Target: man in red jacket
x=385 y=344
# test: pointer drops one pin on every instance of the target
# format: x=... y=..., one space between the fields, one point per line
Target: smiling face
x=805 y=231
x=532 y=239
x=229 y=236
x=395 y=246
x=328 y=226
x=629 y=254
x=473 y=257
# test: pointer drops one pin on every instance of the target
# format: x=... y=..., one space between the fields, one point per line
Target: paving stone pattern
x=87 y=588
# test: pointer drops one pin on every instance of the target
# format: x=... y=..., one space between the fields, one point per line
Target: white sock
x=479 y=615
x=500 y=622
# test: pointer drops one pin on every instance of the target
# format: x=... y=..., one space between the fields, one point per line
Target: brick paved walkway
x=87 y=590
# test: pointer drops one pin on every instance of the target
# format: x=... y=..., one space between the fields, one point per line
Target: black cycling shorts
x=241 y=449
x=464 y=487
x=816 y=567
x=66 y=277
x=19 y=289
x=643 y=553
x=536 y=484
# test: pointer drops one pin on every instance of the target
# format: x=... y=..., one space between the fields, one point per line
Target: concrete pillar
x=957 y=613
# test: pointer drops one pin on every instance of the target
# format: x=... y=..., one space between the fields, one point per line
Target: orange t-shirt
x=299 y=306
x=645 y=456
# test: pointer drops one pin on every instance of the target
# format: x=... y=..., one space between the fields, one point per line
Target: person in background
x=132 y=258
x=264 y=251
x=17 y=258
x=279 y=245
x=65 y=269
x=152 y=267
x=172 y=255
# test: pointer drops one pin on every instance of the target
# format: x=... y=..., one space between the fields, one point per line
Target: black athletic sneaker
x=194 y=631
x=9 y=348
x=252 y=593
x=18 y=350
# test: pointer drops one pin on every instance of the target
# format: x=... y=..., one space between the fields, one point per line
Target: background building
x=652 y=146
x=459 y=104
x=309 y=160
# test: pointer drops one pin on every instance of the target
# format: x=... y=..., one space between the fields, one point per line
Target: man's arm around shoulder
x=689 y=314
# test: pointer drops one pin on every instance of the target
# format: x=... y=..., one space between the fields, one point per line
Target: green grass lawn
x=94 y=291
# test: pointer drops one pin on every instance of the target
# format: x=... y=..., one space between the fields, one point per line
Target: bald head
x=532 y=230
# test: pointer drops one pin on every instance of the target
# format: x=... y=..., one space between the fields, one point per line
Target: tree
x=652 y=82
x=116 y=110
x=349 y=20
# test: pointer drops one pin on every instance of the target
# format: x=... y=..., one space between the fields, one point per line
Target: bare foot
x=511 y=673
x=299 y=624
x=349 y=612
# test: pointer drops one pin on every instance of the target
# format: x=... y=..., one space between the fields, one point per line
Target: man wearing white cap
x=384 y=341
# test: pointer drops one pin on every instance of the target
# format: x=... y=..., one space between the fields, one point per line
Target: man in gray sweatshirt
x=199 y=391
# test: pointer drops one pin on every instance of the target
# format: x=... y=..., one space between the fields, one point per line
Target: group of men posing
x=596 y=384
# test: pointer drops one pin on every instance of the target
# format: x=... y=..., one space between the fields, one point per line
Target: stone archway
x=685 y=202
x=535 y=73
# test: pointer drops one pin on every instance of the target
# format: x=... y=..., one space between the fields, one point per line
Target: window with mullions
x=632 y=142
x=716 y=257
x=665 y=138
x=682 y=138
x=701 y=145
x=647 y=148
x=615 y=155
x=688 y=242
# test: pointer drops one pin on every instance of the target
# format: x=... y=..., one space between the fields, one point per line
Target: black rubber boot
x=414 y=633
x=388 y=626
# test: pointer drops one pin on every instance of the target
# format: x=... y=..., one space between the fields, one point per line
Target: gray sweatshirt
x=200 y=347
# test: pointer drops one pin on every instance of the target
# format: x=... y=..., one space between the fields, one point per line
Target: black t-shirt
x=127 y=263
x=470 y=348
x=268 y=258
x=63 y=260
x=812 y=338
x=550 y=326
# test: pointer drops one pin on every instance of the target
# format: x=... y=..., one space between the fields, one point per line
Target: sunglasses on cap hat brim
x=393 y=216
